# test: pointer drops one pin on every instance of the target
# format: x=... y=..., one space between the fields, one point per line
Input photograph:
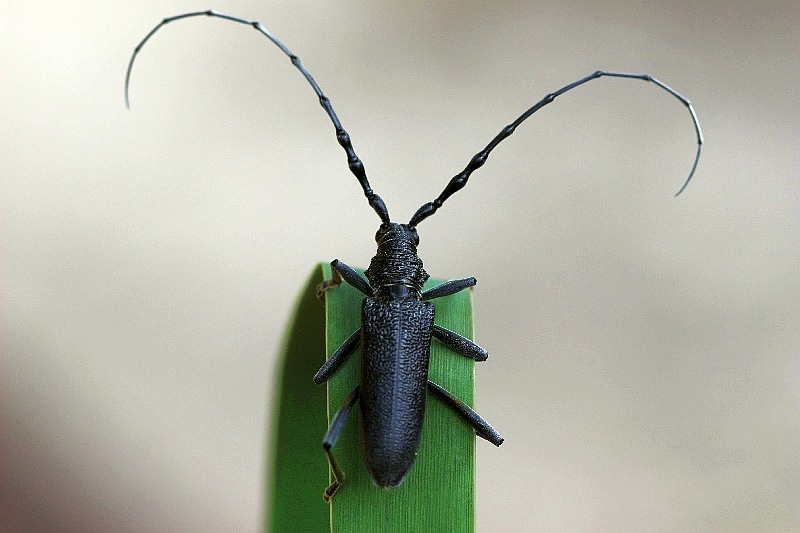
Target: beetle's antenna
x=459 y=180
x=355 y=164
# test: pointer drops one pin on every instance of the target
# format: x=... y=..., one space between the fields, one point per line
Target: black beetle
x=397 y=318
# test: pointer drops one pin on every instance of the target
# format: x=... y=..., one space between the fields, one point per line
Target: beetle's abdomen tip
x=389 y=480
x=383 y=483
x=388 y=484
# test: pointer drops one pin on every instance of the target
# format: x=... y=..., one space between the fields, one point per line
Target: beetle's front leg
x=448 y=287
x=339 y=272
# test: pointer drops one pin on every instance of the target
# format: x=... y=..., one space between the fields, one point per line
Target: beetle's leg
x=341 y=271
x=338 y=358
x=334 y=430
x=451 y=339
x=448 y=287
x=481 y=426
x=460 y=344
x=335 y=281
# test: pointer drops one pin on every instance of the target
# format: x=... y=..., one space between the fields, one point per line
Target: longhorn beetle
x=397 y=316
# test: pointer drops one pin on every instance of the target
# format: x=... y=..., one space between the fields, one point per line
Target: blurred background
x=644 y=361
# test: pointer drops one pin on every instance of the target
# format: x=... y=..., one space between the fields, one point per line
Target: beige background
x=644 y=366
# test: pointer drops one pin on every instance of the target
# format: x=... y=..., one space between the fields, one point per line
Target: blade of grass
x=298 y=471
x=438 y=494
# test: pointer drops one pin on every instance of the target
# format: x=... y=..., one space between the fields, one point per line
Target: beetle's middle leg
x=459 y=343
x=334 y=430
x=340 y=272
x=481 y=426
x=338 y=358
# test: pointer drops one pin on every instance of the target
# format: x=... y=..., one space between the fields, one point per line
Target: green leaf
x=297 y=469
x=439 y=492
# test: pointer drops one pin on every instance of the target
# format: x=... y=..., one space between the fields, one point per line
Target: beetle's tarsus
x=338 y=478
x=326 y=285
x=329 y=492
x=335 y=281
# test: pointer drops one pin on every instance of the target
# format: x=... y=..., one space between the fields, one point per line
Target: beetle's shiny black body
x=397 y=326
x=397 y=318
x=396 y=331
x=395 y=347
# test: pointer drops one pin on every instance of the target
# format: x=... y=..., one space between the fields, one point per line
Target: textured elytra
x=395 y=348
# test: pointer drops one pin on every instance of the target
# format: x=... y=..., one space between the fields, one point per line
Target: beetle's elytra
x=397 y=316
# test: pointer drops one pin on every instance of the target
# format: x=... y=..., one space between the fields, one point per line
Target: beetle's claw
x=324 y=286
x=330 y=491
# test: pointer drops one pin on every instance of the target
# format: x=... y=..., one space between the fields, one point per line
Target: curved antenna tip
x=354 y=163
x=128 y=79
x=694 y=167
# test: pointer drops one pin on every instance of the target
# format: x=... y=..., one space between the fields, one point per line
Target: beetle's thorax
x=396 y=271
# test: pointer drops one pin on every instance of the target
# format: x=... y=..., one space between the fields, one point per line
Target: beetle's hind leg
x=334 y=430
x=341 y=272
x=481 y=426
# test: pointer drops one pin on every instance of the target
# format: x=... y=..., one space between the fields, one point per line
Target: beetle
x=397 y=315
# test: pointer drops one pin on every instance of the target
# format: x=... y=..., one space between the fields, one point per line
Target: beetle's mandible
x=397 y=317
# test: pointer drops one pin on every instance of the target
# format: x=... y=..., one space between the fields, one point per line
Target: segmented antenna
x=355 y=164
x=460 y=180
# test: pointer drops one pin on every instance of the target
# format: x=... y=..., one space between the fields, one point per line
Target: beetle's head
x=401 y=233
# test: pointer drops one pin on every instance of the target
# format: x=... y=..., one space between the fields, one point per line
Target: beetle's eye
x=414 y=235
x=382 y=231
